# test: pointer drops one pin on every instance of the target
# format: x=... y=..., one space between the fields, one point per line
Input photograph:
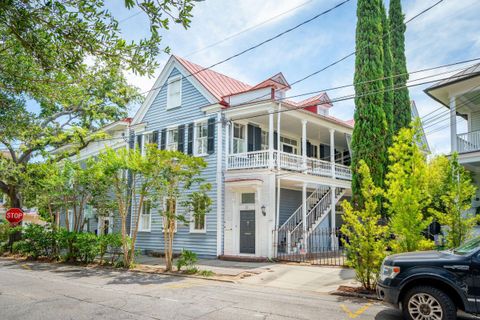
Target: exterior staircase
x=291 y=235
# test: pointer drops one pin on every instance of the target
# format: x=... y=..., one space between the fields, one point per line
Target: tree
x=366 y=237
x=458 y=192
x=76 y=46
x=402 y=113
x=388 y=81
x=368 y=139
x=175 y=175
x=407 y=194
x=129 y=175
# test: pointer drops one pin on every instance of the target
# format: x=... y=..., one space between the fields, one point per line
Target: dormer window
x=174 y=92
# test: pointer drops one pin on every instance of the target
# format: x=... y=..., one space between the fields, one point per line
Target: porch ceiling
x=291 y=127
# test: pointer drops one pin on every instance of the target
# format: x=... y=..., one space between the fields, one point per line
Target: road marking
x=26 y=266
x=353 y=315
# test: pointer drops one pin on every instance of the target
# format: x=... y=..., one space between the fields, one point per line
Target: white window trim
x=192 y=225
x=167 y=136
x=173 y=79
x=143 y=141
x=140 y=226
x=245 y=137
x=176 y=213
x=195 y=125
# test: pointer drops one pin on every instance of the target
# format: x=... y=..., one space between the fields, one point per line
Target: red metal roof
x=219 y=85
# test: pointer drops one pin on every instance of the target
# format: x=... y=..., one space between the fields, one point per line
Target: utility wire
x=353 y=53
x=247 y=29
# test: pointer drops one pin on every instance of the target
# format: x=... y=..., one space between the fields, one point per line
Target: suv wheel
x=428 y=303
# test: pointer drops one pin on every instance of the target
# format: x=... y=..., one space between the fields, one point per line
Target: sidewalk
x=320 y=279
x=220 y=267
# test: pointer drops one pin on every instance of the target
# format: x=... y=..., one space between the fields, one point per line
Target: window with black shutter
x=309 y=149
x=190 y=139
x=163 y=139
x=181 y=138
x=138 y=145
x=325 y=152
x=155 y=137
x=254 y=138
x=211 y=136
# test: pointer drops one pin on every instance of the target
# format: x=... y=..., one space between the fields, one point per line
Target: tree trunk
x=15 y=202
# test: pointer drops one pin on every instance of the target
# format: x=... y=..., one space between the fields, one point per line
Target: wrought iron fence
x=322 y=246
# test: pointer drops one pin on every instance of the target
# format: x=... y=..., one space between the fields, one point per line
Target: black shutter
x=155 y=137
x=309 y=149
x=131 y=140
x=139 y=142
x=211 y=136
x=275 y=140
x=258 y=139
x=324 y=152
x=163 y=139
x=181 y=138
x=250 y=138
x=190 y=139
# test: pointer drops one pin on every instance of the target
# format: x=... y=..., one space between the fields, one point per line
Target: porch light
x=264 y=212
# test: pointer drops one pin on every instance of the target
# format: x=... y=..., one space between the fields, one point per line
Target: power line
x=255 y=46
x=353 y=53
x=247 y=29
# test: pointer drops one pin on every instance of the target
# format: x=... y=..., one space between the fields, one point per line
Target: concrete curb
x=96 y=266
x=369 y=296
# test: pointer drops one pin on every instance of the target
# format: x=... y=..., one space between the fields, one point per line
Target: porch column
x=332 y=151
x=453 y=124
x=304 y=214
x=332 y=219
x=227 y=143
x=278 y=135
x=304 y=144
x=270 y=139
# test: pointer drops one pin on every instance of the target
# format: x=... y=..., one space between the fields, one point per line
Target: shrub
x=187 y=259
x=110 y=243
x=87 y=247
x=66 y=241
x=39 y=241
x=366 y=237
x=206 y=273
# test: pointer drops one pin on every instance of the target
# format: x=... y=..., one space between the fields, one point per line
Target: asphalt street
x=30 y=290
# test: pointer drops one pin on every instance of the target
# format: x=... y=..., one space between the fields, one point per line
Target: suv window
x=468 y=247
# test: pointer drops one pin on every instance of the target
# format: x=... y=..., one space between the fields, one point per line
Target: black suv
x=434 y=284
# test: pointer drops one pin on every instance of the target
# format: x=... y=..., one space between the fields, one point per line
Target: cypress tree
x=402 y=115
x=388 y=82
x=368 y=139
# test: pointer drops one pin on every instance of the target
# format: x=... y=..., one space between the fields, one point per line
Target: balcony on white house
x=297 y=141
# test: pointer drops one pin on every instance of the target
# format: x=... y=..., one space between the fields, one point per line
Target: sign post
x=14 y=216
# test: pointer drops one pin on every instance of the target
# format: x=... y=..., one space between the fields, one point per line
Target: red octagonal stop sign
x=14 y=215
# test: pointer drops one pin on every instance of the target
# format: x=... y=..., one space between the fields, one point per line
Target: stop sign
x=14 y=215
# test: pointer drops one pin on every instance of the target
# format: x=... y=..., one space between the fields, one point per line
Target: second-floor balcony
x=288 y=161
x=468 y=142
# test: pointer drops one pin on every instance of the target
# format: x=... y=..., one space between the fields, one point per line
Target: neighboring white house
x=461 y=95
x=117 y=138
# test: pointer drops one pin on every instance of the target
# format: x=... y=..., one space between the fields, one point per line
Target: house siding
x=157 y=117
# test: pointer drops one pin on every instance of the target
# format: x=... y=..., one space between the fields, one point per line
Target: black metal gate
x=322 y=246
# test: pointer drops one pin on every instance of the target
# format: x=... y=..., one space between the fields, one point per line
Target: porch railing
x=469 y=141
x=287 y=161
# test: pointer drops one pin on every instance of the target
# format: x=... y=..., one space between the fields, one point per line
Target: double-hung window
x=201 y=138
x=147 y=139
x=174 y=92
x=198 y=221
x=238 y=138
x=172 y=139
x=145 y=216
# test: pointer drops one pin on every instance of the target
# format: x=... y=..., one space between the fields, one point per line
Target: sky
x=448 y=33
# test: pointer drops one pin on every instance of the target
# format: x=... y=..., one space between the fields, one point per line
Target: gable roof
x=459 y=76
x=219 y=85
